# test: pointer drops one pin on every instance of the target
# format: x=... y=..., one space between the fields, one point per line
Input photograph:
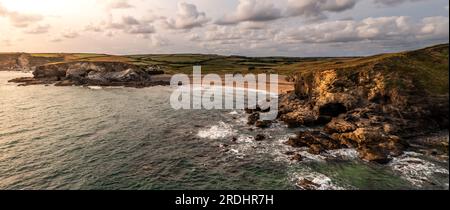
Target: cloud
x=40 y=29
x=188 y=17
x=395 y=2
x=158 y=41
x=252 y=10
x=398 y=28
x=434 y=28
x=20 y=20
x=93 y=28
x=141 y=29
x=129 y=20
x=56 y=39
x=240 y=37
x=119 y=4
x=265 y=10
x=315 y=9
x=3 y=10
x=64 y=35
x=70 y=34
x=127 y=24
x=6 y=42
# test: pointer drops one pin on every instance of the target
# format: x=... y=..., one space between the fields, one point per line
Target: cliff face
x=373 y=104
x=23 y=61
x=94 y=73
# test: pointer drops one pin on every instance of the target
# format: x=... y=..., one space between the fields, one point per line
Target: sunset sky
x=244 y=27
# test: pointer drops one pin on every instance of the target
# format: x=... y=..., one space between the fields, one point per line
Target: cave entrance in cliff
x=332 y=109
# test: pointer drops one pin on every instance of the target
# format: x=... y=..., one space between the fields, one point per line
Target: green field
x=429 y=66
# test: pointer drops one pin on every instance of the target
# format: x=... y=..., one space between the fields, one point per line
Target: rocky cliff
x=373 y=104
x=95 y=73
x=23 y=61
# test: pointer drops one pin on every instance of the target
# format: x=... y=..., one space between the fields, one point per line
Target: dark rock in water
x=64 y=83
x=262 y=107
x=263 y=123
x=253 y=118
x=315 y=149
x=98 y=74
x=26 y=81
x=260 y=137
x=435 y=144
x=234 y=139
x=249 y=111
x=314 y=139
x=289 y=153
x=306 y=184
x=373 y=154
x=297 y=157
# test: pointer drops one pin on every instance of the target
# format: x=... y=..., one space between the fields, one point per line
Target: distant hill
x=435 y=57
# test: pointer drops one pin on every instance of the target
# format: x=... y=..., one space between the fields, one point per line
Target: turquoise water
x=125 y=138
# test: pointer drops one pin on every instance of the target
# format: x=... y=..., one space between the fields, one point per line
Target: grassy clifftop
x=426 y=68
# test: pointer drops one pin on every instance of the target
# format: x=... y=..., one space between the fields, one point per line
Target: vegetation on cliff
x=374 y=104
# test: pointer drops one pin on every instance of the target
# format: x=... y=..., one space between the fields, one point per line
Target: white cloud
x=374 y=29
x=119 y=4
x=395 y=2
x=316 y=9
x=141 y=29
x=70 y=34
x=40 y=29
x=434 y=28
x=252 y=10
x=187 y=17
x=6 y=42
x=265 y=10
x=20 y=20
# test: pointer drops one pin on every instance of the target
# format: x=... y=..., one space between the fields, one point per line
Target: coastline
x=235 y=139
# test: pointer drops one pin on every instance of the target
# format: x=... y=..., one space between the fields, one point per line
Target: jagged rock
x=301 y=116
x=263 y=123
x=260 y=137
x=338 y=125
x=253 y=118
x=297 y=157
x=315 y=140
x=306 y=184
x=64 y=83
x=373 y=154
x=99 y=73
x=315 y=149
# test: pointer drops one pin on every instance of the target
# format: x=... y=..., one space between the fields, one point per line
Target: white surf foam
x=344 y=154
x=95 y=87
x=414 y=169
x=320 y=181
x=222 y=130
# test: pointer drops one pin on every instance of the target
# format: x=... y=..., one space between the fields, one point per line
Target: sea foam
x=414 y=169
x=220 y=131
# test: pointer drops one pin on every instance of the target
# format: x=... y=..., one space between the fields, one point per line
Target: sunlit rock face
x=373 y=104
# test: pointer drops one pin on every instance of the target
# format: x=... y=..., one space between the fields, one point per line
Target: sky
x=299 y=28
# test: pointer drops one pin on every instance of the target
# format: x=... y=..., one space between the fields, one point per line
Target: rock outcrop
x=375 y=104
x=96 y=73
x=24 y=61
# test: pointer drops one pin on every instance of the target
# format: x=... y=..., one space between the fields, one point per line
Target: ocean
x=126 y=138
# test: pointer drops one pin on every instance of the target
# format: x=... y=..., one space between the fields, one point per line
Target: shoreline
x=283 y=85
